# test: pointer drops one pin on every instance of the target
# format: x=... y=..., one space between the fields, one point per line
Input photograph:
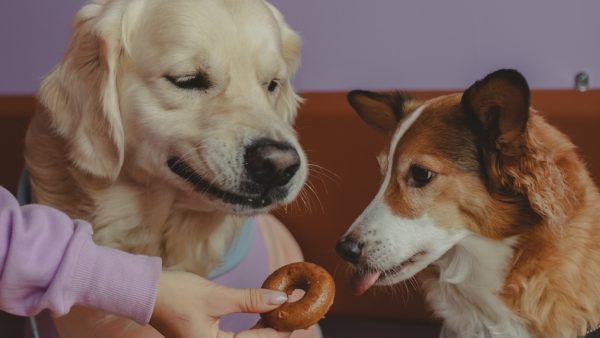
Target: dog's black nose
x=271 y=163
x=349 y=249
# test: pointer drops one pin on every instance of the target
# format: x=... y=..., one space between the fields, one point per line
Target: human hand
x=189 y=306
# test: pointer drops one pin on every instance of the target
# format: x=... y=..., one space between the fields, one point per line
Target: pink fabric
x=48 y=261
x=249 y=273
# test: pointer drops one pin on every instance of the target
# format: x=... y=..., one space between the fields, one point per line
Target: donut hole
x=297 y=290
x=296 y=295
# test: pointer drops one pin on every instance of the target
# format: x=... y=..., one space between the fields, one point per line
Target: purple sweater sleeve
x=49 y=261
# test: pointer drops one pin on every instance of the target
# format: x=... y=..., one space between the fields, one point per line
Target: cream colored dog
x=165 y=122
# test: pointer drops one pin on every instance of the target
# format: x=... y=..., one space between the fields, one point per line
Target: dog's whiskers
x=295 y=208
x=188 y=154
x=335 y=269
x=304 y=199
x=348 y=269
x=303 y=204
x=322 y=172
x=311 y=189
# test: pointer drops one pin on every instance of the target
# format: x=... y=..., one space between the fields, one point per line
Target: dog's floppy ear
x=380 y=111
x=291 y=45
x=80 y=93
x=518 y=163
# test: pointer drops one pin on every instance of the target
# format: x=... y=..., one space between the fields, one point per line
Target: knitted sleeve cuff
x=117 y=282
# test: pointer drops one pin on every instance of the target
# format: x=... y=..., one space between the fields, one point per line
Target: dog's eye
x=273 y=85
x=197 y=81
x=419 y=176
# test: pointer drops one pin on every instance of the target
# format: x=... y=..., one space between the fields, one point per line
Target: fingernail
x=275 y=298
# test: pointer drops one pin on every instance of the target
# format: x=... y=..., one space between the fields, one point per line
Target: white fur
x=404 y=126
x=464 y=290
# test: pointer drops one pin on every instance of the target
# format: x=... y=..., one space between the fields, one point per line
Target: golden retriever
x=165 y=124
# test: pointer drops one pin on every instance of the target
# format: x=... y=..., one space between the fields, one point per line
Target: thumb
x=249 y=300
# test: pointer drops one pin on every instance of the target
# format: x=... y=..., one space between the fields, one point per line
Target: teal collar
x=237 y=252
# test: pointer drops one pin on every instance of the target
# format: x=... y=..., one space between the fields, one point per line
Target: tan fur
x=553 y=280
x=72 y=120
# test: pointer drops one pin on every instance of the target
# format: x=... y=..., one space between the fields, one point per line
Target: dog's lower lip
x=184 y=171
x=400 y=267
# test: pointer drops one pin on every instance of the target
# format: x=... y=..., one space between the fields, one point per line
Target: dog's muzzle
x=269 y=168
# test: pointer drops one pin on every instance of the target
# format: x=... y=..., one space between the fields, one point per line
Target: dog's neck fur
x=492 y=288
x=148 y=217
x=463 y=288
x=158 y=226
x=543 y=282
x=553 y=278
x=553 y=281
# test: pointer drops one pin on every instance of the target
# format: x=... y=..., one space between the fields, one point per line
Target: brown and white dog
x=488 y=205
x=166 y=123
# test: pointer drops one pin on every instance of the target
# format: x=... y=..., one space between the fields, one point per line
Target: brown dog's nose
x=271 y=163
x=349 y=249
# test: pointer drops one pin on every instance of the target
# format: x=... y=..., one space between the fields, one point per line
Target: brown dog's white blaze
x=437 y=167
x=494 y=183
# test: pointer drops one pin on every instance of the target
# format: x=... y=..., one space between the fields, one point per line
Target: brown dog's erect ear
x=80 y=94
x=517 y=160
x=500 y=102
x=380 y=111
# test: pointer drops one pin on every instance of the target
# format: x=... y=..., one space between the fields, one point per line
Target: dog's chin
x=364 y=277
x=226 y=200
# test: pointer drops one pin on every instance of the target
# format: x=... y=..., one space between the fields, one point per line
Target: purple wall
x=431 y=44
x=33 y=36
x=379 y=44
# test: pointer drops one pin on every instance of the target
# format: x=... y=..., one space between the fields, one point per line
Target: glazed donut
x=319 y=293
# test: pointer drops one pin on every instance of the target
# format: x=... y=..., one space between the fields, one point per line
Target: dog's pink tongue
x=362 y=281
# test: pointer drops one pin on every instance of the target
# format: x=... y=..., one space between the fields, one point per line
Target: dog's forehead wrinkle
x=444 y=131
x=200 y=28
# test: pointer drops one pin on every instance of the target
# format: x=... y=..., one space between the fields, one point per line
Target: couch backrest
x=344 y=177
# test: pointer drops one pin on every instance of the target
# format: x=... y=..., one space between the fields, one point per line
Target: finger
x=222 y=334
x=259 y=325
x=248 y=300
x=263 y=333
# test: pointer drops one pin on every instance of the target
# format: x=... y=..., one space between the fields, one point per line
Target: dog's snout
x=271 y=163
x=349 y=249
